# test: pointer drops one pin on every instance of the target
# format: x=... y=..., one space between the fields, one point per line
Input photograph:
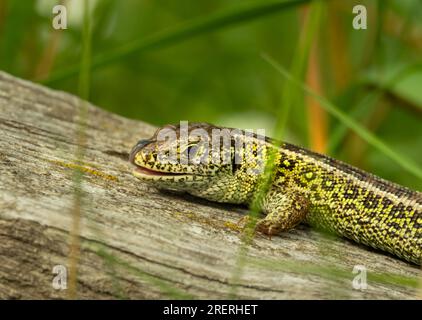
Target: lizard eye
x=191 y=149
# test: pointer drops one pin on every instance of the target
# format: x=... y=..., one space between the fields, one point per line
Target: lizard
x=306 y=187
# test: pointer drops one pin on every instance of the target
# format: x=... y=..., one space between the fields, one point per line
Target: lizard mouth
x=142 y=171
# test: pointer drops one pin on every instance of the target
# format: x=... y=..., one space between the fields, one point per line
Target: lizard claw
x=267 y=228
x=245 y=222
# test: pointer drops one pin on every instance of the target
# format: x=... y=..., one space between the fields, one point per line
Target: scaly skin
x=307 y=187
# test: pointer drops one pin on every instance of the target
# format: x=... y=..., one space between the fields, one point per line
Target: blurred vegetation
x=166 y=61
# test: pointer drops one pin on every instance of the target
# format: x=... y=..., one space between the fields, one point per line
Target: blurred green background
x=202 y=61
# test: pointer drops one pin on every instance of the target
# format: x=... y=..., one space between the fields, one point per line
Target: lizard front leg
x=284 y=210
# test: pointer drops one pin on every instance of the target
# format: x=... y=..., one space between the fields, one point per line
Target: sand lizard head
x=200 y=159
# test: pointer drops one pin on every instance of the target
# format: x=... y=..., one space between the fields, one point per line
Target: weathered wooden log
x=136 y=242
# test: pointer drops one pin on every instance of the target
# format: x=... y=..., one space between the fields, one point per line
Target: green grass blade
x=78 y=175
x=381 y=88
x=330 y=272
x=362 y=108
x=365 y=134
x=290 y=96
x=84 y=67
x=186 y=31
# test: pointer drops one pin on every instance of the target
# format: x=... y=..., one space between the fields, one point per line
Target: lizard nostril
x=141 y=143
